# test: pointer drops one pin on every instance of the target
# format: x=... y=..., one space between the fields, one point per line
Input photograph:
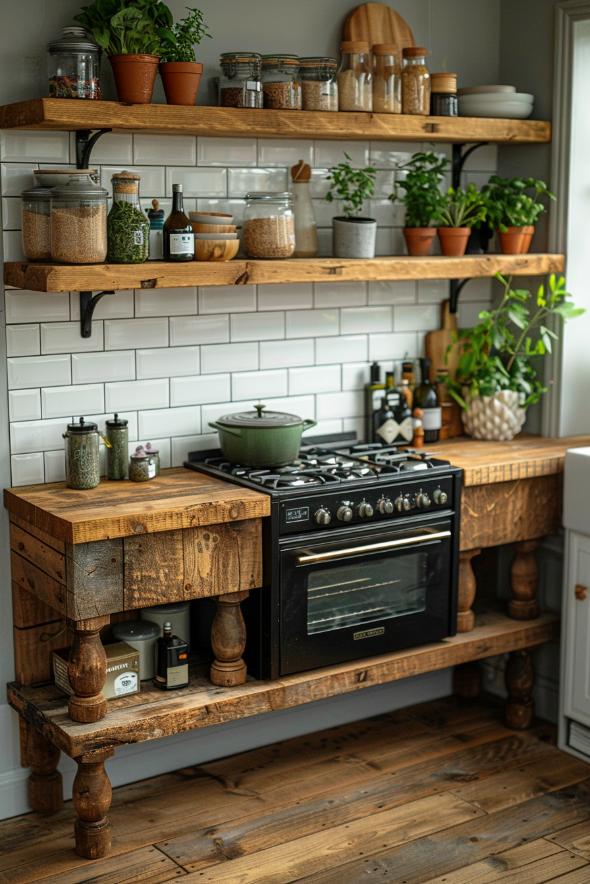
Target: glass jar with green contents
x=117 y=438
x=82 y=455
x=128 y=228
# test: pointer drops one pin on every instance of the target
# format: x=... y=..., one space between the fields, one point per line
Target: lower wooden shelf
x=151 y=714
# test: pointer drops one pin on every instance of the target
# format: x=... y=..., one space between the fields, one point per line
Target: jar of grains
x=128 y=227
x=268 y=229
x=36 y=234
x=79 y=222
x=387 y=79
x=82 y=455
x=355 y=91
x=415 y=81
x=240 y=84
x=280 y=82
x=319 y=86
x=443 y=99
x=74 y=65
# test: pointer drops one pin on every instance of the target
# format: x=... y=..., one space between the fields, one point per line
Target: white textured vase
x=499 y=417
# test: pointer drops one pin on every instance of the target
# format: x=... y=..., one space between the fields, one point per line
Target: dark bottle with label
x=179 y=239
x=426 y=398
x=391 y=391
x=171 y=661
x=385 y=426
x=373 y=396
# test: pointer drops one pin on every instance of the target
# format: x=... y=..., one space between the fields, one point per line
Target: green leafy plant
x=462 y=208
x=419 y=189
x=186 y=34
x=352 y=186
x=498 y=353
x=128 y=27
x=514 y=202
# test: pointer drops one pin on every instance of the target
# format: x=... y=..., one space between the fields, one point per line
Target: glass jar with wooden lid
x=387 y=82
x=415 y=81
x=355 y=77
x=319 y=87
x=281 y=85
x=443 y=99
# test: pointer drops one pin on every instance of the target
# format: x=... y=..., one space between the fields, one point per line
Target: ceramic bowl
x=211 y=218
x=520 y=97
x=215 y=236
x=216 y=249
x=213 y=228
x=482 y=90
x=53 y=177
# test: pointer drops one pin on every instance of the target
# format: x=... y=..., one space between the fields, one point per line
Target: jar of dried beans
x=240 y=84
x=280 y=82
x=355 y=91
x=319 y=86
x=79 y=222
x=73 y=65
x=387 y=79
x=36 y=233
x=415 y=81
x=268 y=229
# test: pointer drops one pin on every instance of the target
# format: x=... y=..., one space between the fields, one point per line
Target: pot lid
x=73 y=38
x=265 y=195
x=117 y=422
x=136 y=629
x=82 y=427
x=79 y=187
x=260 y=418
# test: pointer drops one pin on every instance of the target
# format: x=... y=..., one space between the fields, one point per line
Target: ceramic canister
x=141 y=635
x=178 y=614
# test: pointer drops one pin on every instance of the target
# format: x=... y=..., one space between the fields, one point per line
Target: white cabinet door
x=576 y=632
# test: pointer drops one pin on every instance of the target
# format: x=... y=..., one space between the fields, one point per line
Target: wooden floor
x=440 y=793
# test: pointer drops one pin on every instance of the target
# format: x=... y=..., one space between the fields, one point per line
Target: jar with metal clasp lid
x=268 y=228
x=82 y=447
x=319 y=86
x=280 y=82
x=74 y=65
x=240 y=84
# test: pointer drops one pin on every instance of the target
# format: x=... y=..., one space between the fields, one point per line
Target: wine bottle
x=426 y=398
x=171 y=660
x=373 y=395
x=391 y=391
x=385 y=426
x=179 y=239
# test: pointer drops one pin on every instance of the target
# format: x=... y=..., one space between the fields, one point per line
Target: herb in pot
x=460 y=210
x=353 y=236
x=184 y=36
x=128 y=27
x=419 y=190
x=513 y=207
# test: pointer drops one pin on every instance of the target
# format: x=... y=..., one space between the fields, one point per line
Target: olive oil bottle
x=179 y=239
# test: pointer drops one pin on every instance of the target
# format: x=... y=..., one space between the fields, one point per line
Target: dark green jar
x=82 y=455
x=117 y=447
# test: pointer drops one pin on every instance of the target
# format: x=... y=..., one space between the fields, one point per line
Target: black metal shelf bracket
x=88 y=303
x=456 y=288
x=85 y=142
x=460 y=155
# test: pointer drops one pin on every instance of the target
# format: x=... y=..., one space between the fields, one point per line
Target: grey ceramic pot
x=354 y=237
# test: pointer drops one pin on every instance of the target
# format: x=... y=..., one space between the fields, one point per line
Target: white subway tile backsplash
x=226 y=151
x=386 y=213
x=165 y=302
x=28 y=436
x=175 y=150
x=200 y=389
x=27 y=469
x=227 y=299
x=22 y=340
x=197 y=182
x=152 y=184
x=259 y=384
x=330 y=153
x=416 y=317
x=199 y=329
x=383 y=184
x=394 y=292
x=24 y=405
x=432 y=291
x=132 y=395
x=324 y=428
x=38 y=147
x=312 y=323
x=283 y=354
x=393 y=346
x=17 y=177
x=355 y=375
x=484 y=159
x=314 y=380
x=55 y=466
x=173 y=421
x=167 y=362
x=12 y=245
x=365 y=319
x=318 y=183
x=389 y=241
x=38 y=371
x=242 y=181
x=285 y=297
x=481 y=289
x=181 y=445
x=340 y=294
x=65 y=337
x=341 y=349
x=116 y=306
x=334 y=405
x=278 y=152
x=122 y=334
x=11 y=212
x=257 y=326
x=229 y=357
x=392 y=154
x=79 y=400
x=90 y=368
x=113 y=147
x=469 y=313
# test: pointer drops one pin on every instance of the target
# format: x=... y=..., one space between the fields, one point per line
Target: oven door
x=364 y=594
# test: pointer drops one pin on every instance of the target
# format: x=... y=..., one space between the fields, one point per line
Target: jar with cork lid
x=387 y=80
x=128 y=228
x=415 y=81
x=443 y=99
x=355 y=91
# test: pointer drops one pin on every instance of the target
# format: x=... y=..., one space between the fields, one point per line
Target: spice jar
x=82 y=455
x=128 y=228
x=156 y=219
x=443 y=99
x=319 y=86
x=415 y=81
x=268 y=229
x=74 y=65
x=155 y=453
x=79 y=222
x=142 y=465
x=354 y=77
x=240 y=84
x=36 y=232
x=280 y=82
x=117 y=436
x=387 y=81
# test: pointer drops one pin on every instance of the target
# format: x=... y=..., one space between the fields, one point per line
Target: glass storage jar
x=268 y=229
x=443 y=98
x=240 y=84
x=79 y=222
x=415 y=81
x=319 y=86
x=142 y=465
x=280 y=82
x=117 y=436
x=387 y=79
x=82 y=447
x=128 y=227
x=355 y=91
x=35 y=224
x=74 y=65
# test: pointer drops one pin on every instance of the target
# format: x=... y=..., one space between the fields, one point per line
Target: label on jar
x=126 y=683
x=151 y=469
x=432 y=419
x=253 y=85
x=138 y=237
x=182 y=243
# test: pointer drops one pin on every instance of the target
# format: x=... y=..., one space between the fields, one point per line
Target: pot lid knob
x=259 y=409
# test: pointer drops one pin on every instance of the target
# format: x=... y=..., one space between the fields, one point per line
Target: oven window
x=366 y=590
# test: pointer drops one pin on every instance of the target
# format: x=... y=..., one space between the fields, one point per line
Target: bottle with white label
x=426 y=398
x=385 y=426
x=179 y=239
x=171 y=661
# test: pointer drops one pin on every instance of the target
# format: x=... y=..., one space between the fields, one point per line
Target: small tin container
x=142 y=465
x=179 y=615
x=117 y=450
x=141 y=635
x=443 y=97
x=82 y=455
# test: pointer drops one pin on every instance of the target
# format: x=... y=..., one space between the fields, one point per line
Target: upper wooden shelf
x=159 y=274
x=71 y=114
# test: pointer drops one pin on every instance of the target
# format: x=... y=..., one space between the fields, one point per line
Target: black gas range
x=360 y=553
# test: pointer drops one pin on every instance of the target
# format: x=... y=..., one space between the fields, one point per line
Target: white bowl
x=481 y=90
x=53 y=177
x=502 y=109
x=521 y=97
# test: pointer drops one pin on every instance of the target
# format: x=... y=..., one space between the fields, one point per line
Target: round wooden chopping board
x=377 y=23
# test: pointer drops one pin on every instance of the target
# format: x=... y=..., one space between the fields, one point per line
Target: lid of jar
x=444 y=82
x=141 y=630
x=149 y=448
x=278 y=58
x=37 y=193
x=267 y=195
x=312 y=61
x=125 y=175
x=82 y=427
x=384 y=49
x=73 y=38
x=415 y=52
x=354 y=46
x=239 y=56
x=79 y=187
x=117 y=422
x=140 y=453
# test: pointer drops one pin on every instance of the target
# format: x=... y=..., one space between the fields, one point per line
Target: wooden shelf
x=159 y=274
x=69 y=114
x=151 y=714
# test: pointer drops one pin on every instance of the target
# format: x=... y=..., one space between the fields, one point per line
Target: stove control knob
x=344 y=513
x=423 y=500
x=385 y=506
x=403 y=504
x=322 y=516
x=365 y=510
x=439 y=496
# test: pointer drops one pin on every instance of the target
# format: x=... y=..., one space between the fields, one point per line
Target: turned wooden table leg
x=467 y=590
x=524 y=580
x=87 y=670
x=91 y=794
x=44 y=786
x=520 y=678
x=467 y=681
x=228 y=640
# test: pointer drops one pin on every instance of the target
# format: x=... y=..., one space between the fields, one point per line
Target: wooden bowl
x=211 y=217
x=216 y=249
x=213 y=228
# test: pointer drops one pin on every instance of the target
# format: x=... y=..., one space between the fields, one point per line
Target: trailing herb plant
x=128 y=27
x=497 y=354
x=462 y=208
x=186 y=34
x=352 y=186
x=419 y=189
x=515 y=202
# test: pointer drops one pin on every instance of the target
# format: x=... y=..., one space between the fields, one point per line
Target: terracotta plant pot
x=511 y=242
x=527 y=237
x=453 y=240
x=419 y=240
x=181 y=81
x=135 y=76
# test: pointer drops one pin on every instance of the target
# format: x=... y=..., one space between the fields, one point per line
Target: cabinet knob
x=581 y=592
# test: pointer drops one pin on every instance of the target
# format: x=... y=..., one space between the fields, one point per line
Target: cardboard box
x=122 y=671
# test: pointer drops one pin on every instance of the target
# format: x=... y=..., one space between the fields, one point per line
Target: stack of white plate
x=495 y=101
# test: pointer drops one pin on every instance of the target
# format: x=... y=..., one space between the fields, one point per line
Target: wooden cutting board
x=377 y=23
x=436 y=344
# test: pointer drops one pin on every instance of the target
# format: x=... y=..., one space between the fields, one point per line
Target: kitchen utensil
x=216 y=249
x=437 y=343
x=261 y=438
x=212 y=228
x=482 y=90
x=377 y=23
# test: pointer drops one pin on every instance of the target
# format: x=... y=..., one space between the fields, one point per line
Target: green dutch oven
x=261 y=438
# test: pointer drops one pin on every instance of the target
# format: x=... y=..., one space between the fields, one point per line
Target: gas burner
x=286 y=477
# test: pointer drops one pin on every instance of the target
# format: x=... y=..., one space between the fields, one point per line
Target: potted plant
x=353 y=235
x=513 y=207
x=181 y=74
x=496 y=378
x=131 y=33
x=420 y=184
x=459 y=212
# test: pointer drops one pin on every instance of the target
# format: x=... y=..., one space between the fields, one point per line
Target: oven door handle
x=372 y=547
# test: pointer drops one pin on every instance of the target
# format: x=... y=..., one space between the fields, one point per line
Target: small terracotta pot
x=511 y=241
x=419 y=240
x=135 y=76
x=527 y=237
x=453 y=240
x=181 y=81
